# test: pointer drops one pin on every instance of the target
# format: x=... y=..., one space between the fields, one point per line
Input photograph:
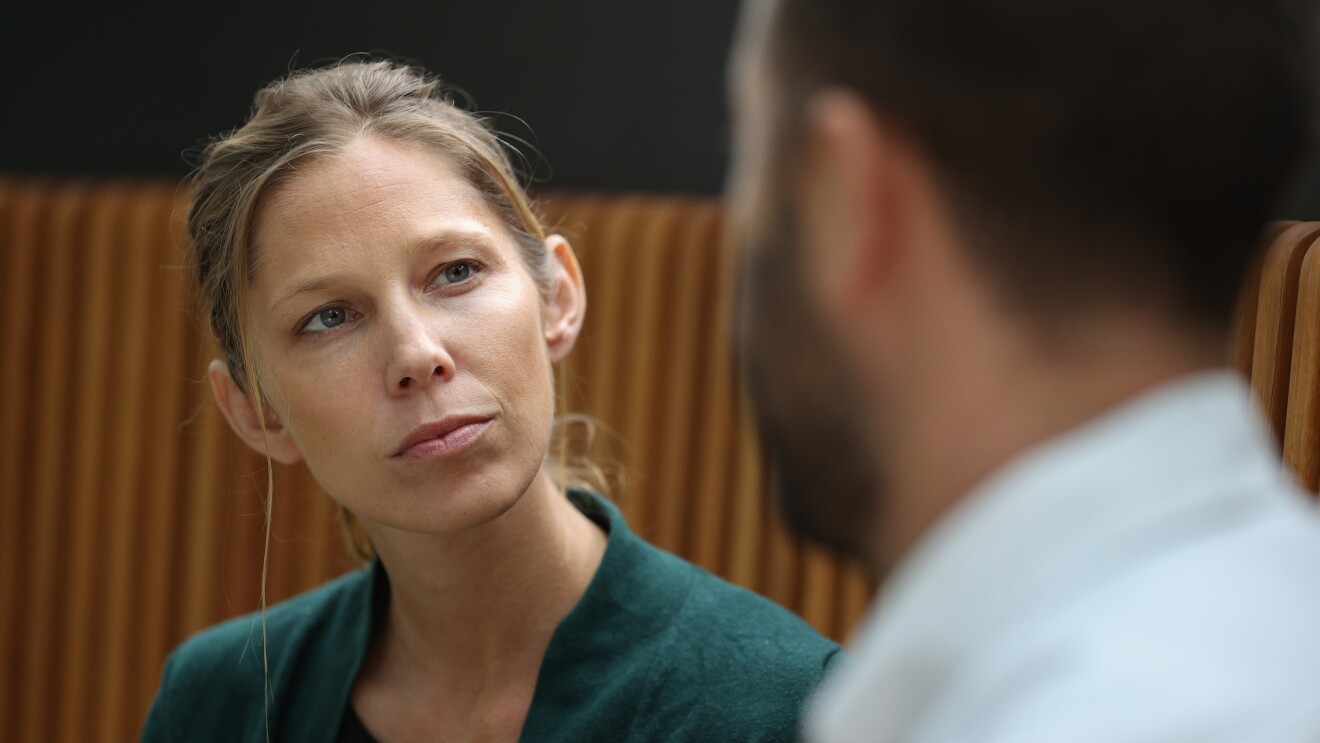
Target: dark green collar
x=633 y=596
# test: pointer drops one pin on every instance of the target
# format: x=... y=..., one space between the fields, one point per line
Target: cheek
x=323 y=401
x=510 y=356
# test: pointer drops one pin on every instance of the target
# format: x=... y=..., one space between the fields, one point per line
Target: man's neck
x=993 y=400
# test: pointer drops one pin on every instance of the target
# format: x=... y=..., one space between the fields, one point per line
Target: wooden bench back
x=131 y=517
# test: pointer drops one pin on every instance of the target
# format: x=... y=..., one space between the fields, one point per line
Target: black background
x=617 y=95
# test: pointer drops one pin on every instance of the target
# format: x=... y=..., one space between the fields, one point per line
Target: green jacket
x=657 y=649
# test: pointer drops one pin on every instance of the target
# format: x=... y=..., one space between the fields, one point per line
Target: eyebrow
x=453 y=238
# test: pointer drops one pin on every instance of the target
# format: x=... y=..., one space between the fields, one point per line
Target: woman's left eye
x=323 y=320
x=456 y=273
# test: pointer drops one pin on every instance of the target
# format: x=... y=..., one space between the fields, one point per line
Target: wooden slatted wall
x=130 y=517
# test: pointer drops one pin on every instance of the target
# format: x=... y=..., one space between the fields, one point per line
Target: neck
x=481 y=605
x=999 y=392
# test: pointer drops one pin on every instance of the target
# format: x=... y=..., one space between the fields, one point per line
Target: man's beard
x=809 y=412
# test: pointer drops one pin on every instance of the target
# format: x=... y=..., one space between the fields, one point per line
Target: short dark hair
x=1091 y=151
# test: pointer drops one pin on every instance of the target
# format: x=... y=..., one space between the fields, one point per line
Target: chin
x=823 y=498
x=434 y=515
x=453 y=501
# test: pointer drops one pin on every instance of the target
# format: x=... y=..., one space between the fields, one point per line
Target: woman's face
x=401 y=339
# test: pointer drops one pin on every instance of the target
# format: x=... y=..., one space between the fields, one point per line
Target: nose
x=417 y=356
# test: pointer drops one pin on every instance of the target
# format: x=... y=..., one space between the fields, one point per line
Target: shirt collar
x=1044 y=525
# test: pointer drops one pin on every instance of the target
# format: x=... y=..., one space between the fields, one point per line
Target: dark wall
x=1304 y=202
x=617 y=94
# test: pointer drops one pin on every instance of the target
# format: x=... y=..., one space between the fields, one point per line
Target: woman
x=390 y=311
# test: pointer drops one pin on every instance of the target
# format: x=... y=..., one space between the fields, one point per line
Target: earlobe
x=567 y=305
x=242 y=416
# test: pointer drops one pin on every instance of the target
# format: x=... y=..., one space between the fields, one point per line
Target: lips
x=444 y=437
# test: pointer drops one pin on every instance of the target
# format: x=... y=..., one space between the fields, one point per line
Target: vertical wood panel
x=58 y=309
x=712 y=425
x=1275 y=317
x=162 y=440
x=726 y=495
x=132 y=384
x=23 y=226
x=820 y=583
x=609 y=312
x=1242 y=345
x=856 y=589
x=666 y=411
x=647 y=286
x=1301 y=435
x=88 y=540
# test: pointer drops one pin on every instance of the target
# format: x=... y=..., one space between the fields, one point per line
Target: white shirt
x=1152 y=576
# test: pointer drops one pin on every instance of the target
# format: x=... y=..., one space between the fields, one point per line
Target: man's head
x=1075 y=160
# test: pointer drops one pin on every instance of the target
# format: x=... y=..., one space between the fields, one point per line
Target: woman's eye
x=325 y=319
x=456 y=273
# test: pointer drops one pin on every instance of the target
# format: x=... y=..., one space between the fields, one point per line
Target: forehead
x=368 y=197
x=368 y=176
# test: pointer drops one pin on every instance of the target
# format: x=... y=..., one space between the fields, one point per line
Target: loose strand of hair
x=265 y=568
x=258 y=402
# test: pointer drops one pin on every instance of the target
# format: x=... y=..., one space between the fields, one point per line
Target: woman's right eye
x=324 y=320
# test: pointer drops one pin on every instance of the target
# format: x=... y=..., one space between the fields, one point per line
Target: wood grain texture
x=1301 y=431
x=1276 y=311
x=89 y=458
x=1242 y=346
x=58 y=309
x=22 y=236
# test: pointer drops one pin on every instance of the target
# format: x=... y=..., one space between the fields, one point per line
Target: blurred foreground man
x=990 y=257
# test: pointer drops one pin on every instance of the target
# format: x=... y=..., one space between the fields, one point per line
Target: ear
x=568 y=301
x=242 y=417
x=851 y=196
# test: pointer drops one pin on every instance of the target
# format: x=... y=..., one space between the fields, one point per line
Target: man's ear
x=242 y=417
x=567 y=306
x=852 y=197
